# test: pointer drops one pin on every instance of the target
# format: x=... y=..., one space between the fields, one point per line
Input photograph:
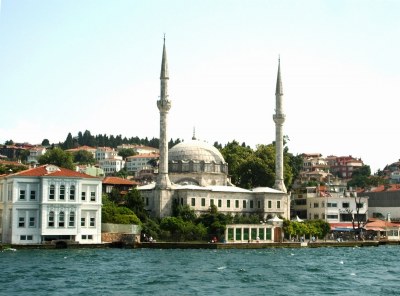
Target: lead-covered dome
x=195 y=150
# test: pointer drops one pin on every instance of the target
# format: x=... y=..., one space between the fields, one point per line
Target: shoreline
x=197 y=245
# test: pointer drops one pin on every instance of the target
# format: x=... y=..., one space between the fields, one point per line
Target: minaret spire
x=194 y=133
x=279 y=119
x=163 y=104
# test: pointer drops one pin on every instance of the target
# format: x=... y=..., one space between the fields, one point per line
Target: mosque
x=195 y=173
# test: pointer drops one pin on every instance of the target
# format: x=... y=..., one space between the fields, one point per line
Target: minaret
x=163 y=104
x=279 y=119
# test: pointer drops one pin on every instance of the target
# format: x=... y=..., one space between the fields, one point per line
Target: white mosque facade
x=195 y=173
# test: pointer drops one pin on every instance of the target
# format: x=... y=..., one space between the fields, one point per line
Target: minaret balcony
x=279 y=118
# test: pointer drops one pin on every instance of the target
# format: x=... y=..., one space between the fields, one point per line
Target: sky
x=68 y=66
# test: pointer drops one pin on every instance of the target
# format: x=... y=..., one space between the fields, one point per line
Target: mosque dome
x=195 y=150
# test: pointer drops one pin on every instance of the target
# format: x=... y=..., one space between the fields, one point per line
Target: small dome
x=196 y=151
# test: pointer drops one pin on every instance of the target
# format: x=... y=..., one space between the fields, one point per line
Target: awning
x=343 y=229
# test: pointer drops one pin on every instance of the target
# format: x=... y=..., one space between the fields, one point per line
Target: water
x=320 y=271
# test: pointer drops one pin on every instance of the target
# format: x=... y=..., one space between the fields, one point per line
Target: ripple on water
x=201 y=272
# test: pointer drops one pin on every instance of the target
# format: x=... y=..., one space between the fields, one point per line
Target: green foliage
x=181 y=230
x=123 y=173
x=126 y=152
x=235 y=155
x=185 y=212
x=254 y=168
x=57 y=157
x=10 y=168
x=362 y=178
x=318 y=228
x=135 y=202
x=112 y=213
x=45 y=142
x=9 y=142
x=84 y=157
x=69 y=142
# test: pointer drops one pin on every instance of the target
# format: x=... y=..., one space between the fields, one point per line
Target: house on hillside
x=49 y=203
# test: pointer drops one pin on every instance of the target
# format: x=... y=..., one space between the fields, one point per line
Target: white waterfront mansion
x=49 y=203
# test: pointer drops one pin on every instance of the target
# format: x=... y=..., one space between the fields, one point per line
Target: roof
x=87 y=148
x=380 y=224
x=144 y=155
x=118 y=181
x=266 y=190
x=50 y=170
x=195 y=150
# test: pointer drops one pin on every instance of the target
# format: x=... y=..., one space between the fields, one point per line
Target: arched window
x=51 y=219
x=52 y=192
x=62 y=192
x=72 y=192
x=71 y=219
x=61 y=219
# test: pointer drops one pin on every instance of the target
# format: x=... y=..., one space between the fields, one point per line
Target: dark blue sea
x=306 y=271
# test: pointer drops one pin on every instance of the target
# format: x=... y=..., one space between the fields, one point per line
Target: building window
x=332 y=205
x=62 y=192
x=259 y=204
x=71 y=219
x=251 y=204
x=83 y=196
x=211 y=202
x=51 y=192
x=83 y=222
x=26 y=237
x=193 y=201
x=203 y=202
x=22 y=194
x=228 y=203
x=90 y=236
x=33 y=195
x=316 y=205
x=244 y=204
x=21 y=222
x=92 y=222
x=72 y=192
x=51 y=219
x=147 y=201
x=236 y=204
x=220 y=203
x=269 y=204
x=278 y=204
x=92 y=196
x=346 y=205
x=316 y=216
x=332 y=216
x=359 y=205
x=61 y=219
x=31 y=221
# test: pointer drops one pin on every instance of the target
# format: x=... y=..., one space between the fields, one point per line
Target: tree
x=9 y=142
x=68 y=143
x=84 y=157
x=135 y=202
x=235 y=155
x=45 y=142
x=125 y=152
x=112 y=213
x=58 y=157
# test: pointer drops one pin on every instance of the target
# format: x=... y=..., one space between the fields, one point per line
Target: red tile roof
x=118 y=181
x=45 y=170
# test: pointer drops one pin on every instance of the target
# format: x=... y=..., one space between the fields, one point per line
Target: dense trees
x=83 y=157
x=317 y=228
x=362 y=178
x=58 y=157
x=126 y=152
x=250 y=168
